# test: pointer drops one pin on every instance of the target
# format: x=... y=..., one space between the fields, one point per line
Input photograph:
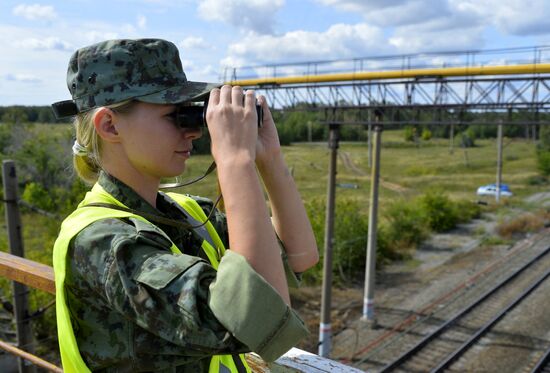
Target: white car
x=491 y=190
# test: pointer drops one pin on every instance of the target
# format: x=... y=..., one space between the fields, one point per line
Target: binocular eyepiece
x=194 y=116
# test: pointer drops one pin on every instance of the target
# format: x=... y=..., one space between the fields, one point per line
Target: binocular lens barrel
x=195 y=116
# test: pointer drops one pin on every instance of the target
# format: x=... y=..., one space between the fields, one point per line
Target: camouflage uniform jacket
x=137 y=307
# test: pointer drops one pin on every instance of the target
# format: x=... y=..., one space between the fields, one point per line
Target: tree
x=15 y=114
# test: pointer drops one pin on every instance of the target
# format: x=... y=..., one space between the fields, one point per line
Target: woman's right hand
x=232 y=122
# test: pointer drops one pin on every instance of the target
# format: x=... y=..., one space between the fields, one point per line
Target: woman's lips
x=186 y=153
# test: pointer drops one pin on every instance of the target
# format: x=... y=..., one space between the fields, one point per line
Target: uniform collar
x=125 y=194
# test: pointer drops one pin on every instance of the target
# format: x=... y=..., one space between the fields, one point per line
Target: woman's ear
x=104 y=123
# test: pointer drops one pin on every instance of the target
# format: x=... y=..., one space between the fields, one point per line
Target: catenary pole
x=325 y=332
x=370 y=267
x=369 y=140
x=499 y=160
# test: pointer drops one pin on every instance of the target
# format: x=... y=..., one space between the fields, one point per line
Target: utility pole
x=13 y=221
x=370 y=267
x=369 y=140
x=499 y=159
x=325 y=332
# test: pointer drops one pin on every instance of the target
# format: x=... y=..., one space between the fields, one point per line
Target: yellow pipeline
x=397 y=74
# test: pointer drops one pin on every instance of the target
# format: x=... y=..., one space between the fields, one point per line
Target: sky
x=38 y=38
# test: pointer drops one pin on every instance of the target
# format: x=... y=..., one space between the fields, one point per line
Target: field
x=407 y=170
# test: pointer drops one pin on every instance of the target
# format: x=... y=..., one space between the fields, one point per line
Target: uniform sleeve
x=181 y=298
x=219 y=222
x=259 y=317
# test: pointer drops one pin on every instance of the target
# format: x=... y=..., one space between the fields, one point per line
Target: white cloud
x=360 y=5
x=35 y=11
x=339 y=41
x=50 y=43
x=24 y=78
x=195 y=71
x=254 y=15
x=193 y=42
x=95 y=36
x=128 y=29
x=141 y=21
x=393 y=12
x=513 y=17
x=409 y=40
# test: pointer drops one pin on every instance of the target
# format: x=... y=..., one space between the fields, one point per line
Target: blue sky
x=37 y=38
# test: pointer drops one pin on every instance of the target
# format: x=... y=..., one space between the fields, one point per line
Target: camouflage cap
x=113 y=71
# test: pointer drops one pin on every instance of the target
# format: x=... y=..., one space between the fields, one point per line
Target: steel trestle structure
x=403 y=99
x=402 y=91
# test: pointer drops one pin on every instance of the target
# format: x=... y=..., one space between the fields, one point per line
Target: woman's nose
x=192 y=133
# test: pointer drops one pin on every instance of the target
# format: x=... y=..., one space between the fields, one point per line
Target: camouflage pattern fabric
x=147 y=70
x=137 y=307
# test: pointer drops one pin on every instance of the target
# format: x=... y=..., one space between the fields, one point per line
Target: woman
x=143 y=279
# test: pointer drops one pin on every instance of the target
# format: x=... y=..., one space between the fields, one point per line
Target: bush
x=405 y=227
x=466 y=210
x=439 y=211
x=537 y=180
x=350 y=238
x=526 y=223
x=426 y=134
x=467 y=138
x=409 y=133
x=543 y=151
x=543 y=161
x=37 y=195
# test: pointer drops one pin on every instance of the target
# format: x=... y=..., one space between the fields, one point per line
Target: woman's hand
x=268 y=146
x=231 y=117
x=234 y=133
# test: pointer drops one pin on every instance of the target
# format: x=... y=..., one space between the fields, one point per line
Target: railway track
x=442 y=335
x=543 y=364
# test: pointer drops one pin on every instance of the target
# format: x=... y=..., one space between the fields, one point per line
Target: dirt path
x=350 y=165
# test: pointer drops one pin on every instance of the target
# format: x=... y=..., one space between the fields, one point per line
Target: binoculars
x=194 y=116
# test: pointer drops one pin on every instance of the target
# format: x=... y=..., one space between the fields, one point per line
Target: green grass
x=405 y=171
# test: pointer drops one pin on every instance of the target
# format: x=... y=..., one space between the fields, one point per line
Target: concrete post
x=325 y=333
x=370 y=267
x=499 y=160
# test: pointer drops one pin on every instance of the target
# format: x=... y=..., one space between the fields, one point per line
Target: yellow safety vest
x=82 y=217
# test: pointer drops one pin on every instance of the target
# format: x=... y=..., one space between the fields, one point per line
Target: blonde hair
x=88 y=165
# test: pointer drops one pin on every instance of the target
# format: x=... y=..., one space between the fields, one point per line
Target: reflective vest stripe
x=82 y=217
x=192 y=207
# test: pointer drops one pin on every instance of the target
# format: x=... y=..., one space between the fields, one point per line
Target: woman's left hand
x=267 y=146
